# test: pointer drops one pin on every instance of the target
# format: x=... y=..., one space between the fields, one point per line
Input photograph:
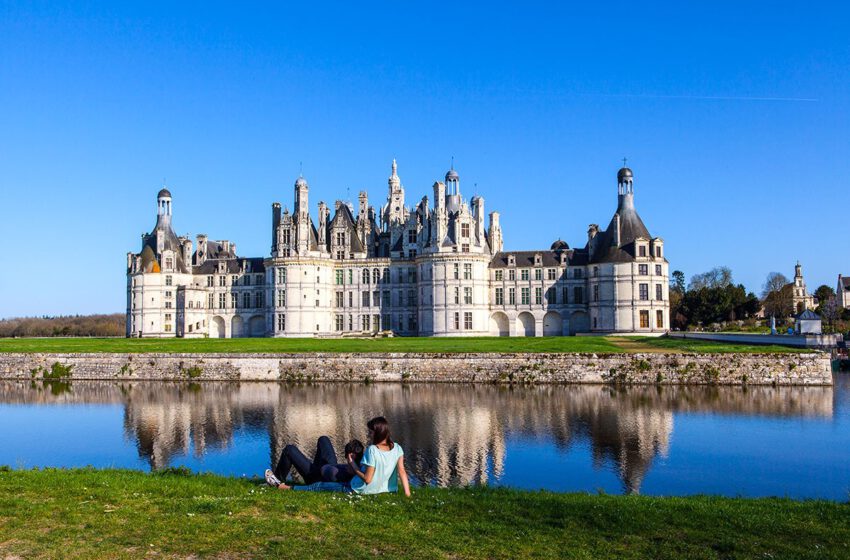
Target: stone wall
x=720 y=369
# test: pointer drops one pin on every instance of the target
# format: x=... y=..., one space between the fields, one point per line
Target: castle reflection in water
x=452 y=434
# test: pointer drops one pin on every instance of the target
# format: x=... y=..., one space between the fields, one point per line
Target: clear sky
x=734 y=116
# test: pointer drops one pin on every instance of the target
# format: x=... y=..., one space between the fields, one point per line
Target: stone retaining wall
x=719 y=369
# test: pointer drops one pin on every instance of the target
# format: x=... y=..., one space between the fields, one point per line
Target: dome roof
x=301 y=182
x=624 y=173
x=164 y=193
x=452 y=175
x=559 y=246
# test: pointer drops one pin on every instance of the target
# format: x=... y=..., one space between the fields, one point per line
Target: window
x=258 y=299
x=246 y=300
x=565 y=295
x=222 y=281
x=467 y=271
x=168 y=280
x=401 y=298
x=376 y=275
x=350 y=299
x=525 y=296
x=222 y=301
x=168 y=327
x=596 y=292
x=234 y=280
x=209 y=281
x=500 y=275
x=644 y=319
x=642 y=253
x=281 y=322
x=659 y=319
x=365 y=321
x=339 y=323
x=340 y=238
x=464 y=248
x=467 y=296
x=538 y=296
x=596 y=271
x=511 y=296
x=500 y=296
x=523 y=274
x=386 y=276
x=578 y=294
x=464 y=230
x=234 y=300
x=281 y=275
x=365 y=276
x=350 y=276
x=411 y=236
x=411 y=275
x=659 y=294
x=169 y=263
x=339 y=277
x=168 y=304
x=644 y=291
x=658 y=252
x=552 y=296
x=247 y=280
x=538 y=274
x=643 y=269
x=281 y=298
x=411 y=297
x=577 y=273
x=351 y=322
x=376 y=298
x=340 y=299
x=457 y=296
x=364 y=299
x=467 y=321
x=457 y=321
x=512 y=274
x=457 y=271
x=550 y=274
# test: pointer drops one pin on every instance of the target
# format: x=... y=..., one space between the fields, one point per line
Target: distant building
x=842 y=292
x=427 y=270
x=801 y=298
x=808 y=322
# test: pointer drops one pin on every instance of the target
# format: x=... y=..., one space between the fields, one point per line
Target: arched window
x=376 y=275
x=365 y=275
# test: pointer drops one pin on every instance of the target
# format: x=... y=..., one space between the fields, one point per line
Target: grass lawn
x=590 y=344
x=90 y=514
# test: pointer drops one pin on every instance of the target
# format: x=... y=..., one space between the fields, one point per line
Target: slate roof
x=233 y=265
x=605 y=248
x=170 y=243
x=808 y=314
x=525 y=259
x=343 y=214
x=845 y=282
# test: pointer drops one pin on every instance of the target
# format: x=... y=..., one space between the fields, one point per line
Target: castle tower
x=302 y=216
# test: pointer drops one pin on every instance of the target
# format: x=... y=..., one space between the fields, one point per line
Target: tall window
x=411 y=236
x=578 y=294
x=385 y=300
x=376 y=275
x=596 y=292
x=642 y=253
x=246 y=300
x=247 y=279
x=209 y=281
x=168 y=280
x=457 y=321
x=169 y=263
x=658 y=251
x=222 y=280
x=538 y=296
x=364 y=299
x=281 y=298
x=511 y=296
x=644 y=291
x=340 y=299
x=258 y=299
x=467 y=321
x=456 y=271
x=658 y=270
x=467 y=296
x=500 y=296
x=467 y=271
x=457 y=296
x=464 y=248
x=577 y=273
x=596 y=271
x=538 y=274
x=411 y=297
x=281 y=275
x=464 y=230
x=365 y=276
x=523 y=274
x=234 y=300
x=365 y=321
x=658 y=292
x=210 y=301
x=500 y=274
x=351 y=277
x=339 y=277
x=222 y=301
x=550 y=273
x=565 y=295
x=512 y=274
x=643 y=269
x=644 y=319
x=525 y=296
x=659 y=319
x=281 y=322
x=339 y=323
x=552 y=296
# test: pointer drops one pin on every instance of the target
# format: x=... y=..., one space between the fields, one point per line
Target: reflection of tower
x=466 y=440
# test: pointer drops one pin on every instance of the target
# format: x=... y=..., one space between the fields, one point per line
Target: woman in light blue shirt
x=383 y=462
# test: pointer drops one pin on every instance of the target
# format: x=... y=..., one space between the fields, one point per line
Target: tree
x=778 y=295
x=717 y=277
x=829 y=310
x=677 y=282
x=824 y=293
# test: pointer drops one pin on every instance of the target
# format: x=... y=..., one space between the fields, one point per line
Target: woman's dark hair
x=380 y=431
x=355 y=447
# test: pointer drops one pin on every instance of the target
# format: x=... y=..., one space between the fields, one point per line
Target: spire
x=395 y=168
x=394 y=181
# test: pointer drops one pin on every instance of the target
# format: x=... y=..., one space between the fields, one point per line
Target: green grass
x=91 y=514
x=588 y=344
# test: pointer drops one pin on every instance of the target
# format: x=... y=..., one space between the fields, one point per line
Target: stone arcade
x=426 y=270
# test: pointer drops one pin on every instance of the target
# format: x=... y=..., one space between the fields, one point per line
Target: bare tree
x=717 y=277
x=778 y=295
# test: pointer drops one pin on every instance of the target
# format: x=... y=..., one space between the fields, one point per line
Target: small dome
x=452 y=175
x=624 y=173
x=560 y=246
x=301 y=182
x=164 y=193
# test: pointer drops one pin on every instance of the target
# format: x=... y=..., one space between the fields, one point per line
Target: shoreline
x=638 y=368
x=174 y=514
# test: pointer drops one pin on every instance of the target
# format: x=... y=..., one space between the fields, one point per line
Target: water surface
x=757 y=441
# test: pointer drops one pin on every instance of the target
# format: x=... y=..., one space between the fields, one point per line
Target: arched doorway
x=553 y=325
x=499 y=324
x=257 y=325
x=579 y=322
x=236 y=325
x=217 y=328
x=525 y=324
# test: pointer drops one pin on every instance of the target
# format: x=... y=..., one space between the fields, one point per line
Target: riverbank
x=94 y=514
x=622 y=368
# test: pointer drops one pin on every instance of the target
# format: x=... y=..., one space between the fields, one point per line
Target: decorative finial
x=300 y=169
x=624 y=162
x=453 y=162
x=395 y=168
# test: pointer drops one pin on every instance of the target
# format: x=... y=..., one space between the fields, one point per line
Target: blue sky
x=734 y=116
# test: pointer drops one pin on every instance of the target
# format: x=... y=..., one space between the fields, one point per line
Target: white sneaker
x=271 y=479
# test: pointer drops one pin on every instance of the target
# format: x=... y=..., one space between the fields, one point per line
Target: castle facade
x=423 y=270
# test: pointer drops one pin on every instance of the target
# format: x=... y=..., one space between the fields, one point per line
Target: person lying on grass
x=323 y=467
x=383 y=462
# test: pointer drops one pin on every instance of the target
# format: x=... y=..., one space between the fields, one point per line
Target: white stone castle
x=427 y=270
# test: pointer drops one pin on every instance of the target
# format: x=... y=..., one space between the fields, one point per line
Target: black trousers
x=310 y=471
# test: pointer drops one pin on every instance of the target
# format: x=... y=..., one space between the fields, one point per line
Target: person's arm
x=402 y=474
x=366 y=476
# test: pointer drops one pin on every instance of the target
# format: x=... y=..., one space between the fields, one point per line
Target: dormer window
x=658 y=251
x=642 y=250
x=464 y=230
x=511 y=260
x=538 y=260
